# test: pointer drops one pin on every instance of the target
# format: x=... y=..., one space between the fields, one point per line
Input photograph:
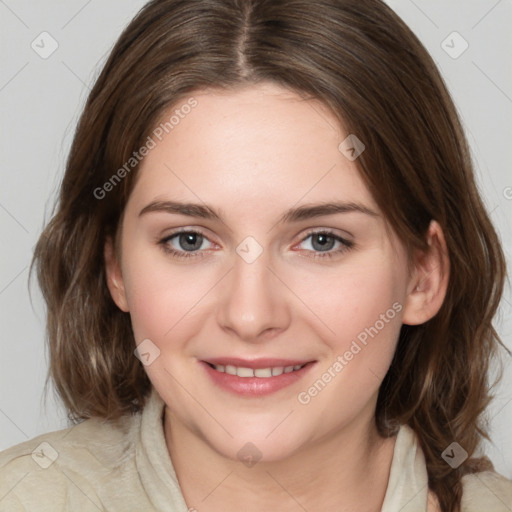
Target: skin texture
x=251 y=154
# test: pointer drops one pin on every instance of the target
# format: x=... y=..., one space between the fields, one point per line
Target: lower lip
x=255 y=386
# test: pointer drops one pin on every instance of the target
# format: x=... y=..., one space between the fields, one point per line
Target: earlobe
x=429 y=279
x=114 y=276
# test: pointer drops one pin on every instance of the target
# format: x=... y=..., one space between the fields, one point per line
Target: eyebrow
x=292 y=215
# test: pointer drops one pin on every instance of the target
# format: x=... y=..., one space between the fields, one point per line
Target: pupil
x=324 y=242
x=190 y=239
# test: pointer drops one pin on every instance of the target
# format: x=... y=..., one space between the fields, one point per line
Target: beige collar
x=407 y=489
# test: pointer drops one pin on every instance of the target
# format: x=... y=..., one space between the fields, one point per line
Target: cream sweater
x=125 y=466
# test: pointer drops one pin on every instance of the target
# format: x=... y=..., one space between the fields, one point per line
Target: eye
x=323 y=242
x=190 y=243
x=184 y=244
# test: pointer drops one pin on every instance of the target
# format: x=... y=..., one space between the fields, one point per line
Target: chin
x=251 y=446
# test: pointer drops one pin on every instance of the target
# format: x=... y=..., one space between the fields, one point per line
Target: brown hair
x=359 y=59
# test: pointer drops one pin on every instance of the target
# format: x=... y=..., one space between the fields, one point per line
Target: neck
x=345 y=471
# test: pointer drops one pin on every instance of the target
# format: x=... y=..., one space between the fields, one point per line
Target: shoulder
x=62 y=469
x=487 y=491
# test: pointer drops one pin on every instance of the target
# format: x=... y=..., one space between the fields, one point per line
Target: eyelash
x=345 y=245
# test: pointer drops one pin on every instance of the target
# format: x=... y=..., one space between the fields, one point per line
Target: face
x=259 y=277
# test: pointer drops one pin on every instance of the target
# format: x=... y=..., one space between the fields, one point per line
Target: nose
x=254 y=305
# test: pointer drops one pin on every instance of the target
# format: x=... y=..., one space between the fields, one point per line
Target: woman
x=270 y=278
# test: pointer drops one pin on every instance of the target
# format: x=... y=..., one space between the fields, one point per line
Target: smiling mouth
x=255 y=377
x=263 y=373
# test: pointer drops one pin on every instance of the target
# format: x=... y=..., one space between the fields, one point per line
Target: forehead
x=261 y=146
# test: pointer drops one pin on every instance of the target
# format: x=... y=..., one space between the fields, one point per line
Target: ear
x=429 y=279
x=114 y=276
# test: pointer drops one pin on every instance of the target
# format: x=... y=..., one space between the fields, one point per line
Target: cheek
x=163 y=299
x=364 y=312
x=355 y=297
x=361 y=307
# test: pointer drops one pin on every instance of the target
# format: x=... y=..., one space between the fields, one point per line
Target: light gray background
x=40 y=102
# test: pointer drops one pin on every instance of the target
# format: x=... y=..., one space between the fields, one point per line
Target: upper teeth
x=259 y=372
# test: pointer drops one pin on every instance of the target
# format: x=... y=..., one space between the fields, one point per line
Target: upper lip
x=263 y=362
